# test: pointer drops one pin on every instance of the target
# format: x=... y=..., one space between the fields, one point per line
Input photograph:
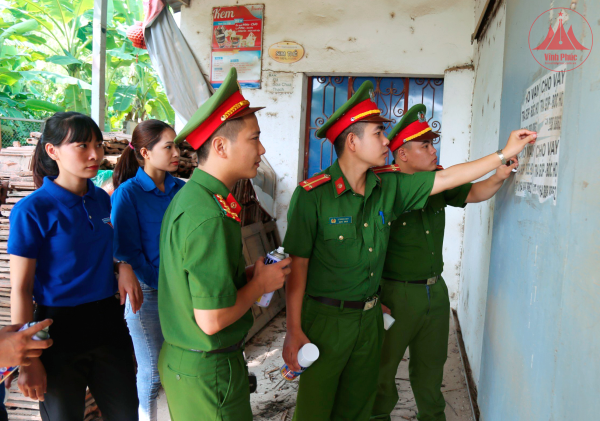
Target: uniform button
x=432 y=253
x=178 y=377
x=371 y=249
x=422 y=210
x=404 y=223
x=341 y=237
x=366 y=225
x=389 y=223
x=371 y=273
x=84 y=201
x=90 y=216
x=426 y=232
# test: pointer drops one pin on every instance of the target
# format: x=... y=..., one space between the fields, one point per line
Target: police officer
x=413 y=288
x=204 y=297
x=338 y=229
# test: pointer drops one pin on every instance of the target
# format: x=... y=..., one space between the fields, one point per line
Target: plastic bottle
x=388 y=321
x=307 y=355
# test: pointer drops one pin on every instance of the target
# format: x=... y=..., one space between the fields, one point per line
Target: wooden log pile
x=18 y=185
x=115 y=143
x=21 y=408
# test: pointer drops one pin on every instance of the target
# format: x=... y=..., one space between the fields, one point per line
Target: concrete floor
x=276 y=398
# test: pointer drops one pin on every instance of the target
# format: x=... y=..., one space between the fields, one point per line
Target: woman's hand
x=129 y=285
x=32 y=380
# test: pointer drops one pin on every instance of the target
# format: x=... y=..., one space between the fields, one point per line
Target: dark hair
x=146 y=135
x=357 y=128
x=69 y=127
x=230 y=130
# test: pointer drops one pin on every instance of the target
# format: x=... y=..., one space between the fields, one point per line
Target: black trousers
x=3 y=414
x=92 y=347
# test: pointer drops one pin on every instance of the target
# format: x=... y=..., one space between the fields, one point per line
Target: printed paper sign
x=542 y=111
x=237 y=42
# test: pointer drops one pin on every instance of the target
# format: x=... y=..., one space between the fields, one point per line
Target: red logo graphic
x=560 y=50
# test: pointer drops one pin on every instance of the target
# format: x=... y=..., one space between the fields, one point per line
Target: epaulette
x=386 y=168
x=230 y=207
x=315 y=181
x=439 y=167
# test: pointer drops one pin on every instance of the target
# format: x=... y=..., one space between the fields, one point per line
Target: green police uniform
x=202 y=267
x=345 y=236
x=418 y=298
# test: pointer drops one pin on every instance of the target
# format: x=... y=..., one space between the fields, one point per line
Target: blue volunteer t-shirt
x=137 y=213
x=71 y=238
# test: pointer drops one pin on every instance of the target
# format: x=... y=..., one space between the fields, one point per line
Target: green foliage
x=45 y=62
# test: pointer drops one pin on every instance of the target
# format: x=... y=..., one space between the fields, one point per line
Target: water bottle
x=307 y=355
x=273 y=257
x=39 y=336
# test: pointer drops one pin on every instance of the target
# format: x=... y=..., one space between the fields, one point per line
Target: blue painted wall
x=541 y=344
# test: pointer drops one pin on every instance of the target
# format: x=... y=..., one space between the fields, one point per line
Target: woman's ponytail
x=145 y=135
x=127 y=166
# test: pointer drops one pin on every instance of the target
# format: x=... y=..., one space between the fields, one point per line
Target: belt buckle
x=432 y=280
x=370 y=304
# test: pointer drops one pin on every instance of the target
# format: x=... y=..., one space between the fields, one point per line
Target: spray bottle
x=307 y=355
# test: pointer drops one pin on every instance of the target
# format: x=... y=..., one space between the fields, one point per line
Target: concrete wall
x=489 y=60
x=351 y=37
x=541 y=344
x=458 y=95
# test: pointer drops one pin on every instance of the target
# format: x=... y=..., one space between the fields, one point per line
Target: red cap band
x=230 y=107
x=412 y=131
x=361 y=110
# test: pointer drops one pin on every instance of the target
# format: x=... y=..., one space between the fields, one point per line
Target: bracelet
x=501 y=156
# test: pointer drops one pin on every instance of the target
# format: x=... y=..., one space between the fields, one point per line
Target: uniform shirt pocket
x=341 y=244
x=342 y=233
x=383 y=220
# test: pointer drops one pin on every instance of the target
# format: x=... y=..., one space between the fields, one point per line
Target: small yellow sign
x=286 y=52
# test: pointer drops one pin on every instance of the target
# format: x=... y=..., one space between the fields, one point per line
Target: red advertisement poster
x=237 y=42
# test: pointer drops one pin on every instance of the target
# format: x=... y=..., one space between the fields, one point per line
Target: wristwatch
x=117 y=263
x=501 y=156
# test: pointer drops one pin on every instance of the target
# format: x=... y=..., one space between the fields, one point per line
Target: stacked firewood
x=21 y=408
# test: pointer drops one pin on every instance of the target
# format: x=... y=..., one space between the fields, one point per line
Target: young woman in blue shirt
x=140 y=199
x=61 y=255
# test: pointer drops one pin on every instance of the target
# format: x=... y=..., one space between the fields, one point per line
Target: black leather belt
x=231 y=348
x=429 y=281
x=359 y=305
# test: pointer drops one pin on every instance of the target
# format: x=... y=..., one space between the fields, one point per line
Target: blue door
x=393 y=96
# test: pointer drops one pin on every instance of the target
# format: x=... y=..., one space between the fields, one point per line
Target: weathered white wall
x=458 y=94
x=351 y=37
x=479 y=217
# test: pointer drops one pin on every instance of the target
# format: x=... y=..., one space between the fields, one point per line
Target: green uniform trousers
x=422 y=324
x=202 y=386
x=341 y=384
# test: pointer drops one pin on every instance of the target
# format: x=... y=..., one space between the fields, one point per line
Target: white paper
x=542 y=111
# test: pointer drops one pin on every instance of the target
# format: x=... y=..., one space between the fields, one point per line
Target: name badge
x=340 y=220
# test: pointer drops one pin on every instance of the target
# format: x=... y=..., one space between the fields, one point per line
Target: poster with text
x=542 y=112
x=237 y=42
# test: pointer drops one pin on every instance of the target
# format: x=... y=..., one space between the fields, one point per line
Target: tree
x=49 y=60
